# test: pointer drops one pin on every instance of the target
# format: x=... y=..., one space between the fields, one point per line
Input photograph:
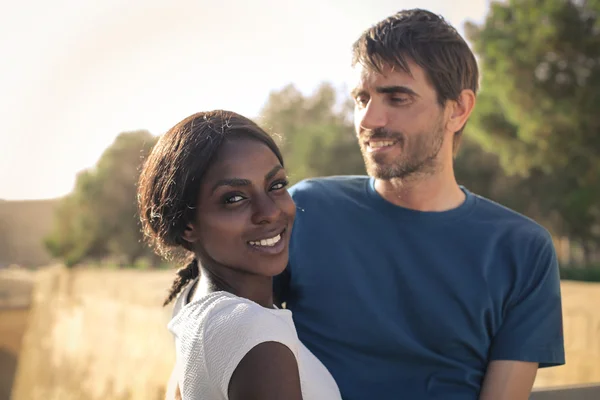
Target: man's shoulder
x=323 y=187
x=519 y=227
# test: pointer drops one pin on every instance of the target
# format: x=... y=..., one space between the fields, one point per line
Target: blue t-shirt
x=404 y=304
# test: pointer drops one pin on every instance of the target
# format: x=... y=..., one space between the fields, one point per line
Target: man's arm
x=508 y=380
x=530 y=336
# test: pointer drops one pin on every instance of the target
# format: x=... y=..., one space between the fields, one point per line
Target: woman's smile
x=270 y=244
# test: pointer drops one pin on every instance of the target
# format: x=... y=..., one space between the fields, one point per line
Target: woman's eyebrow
x=231 y=182
x=273 y=172
x=237 y=182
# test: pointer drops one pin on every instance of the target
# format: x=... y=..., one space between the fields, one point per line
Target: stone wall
x=101 y=334
x=15 y=296
x=581 y=316
x=96 y=334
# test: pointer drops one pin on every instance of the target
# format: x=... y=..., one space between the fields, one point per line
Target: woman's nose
x=265 y=210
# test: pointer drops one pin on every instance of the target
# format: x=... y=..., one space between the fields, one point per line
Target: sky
x=76 y=73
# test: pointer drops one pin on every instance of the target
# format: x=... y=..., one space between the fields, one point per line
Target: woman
x=214 y=187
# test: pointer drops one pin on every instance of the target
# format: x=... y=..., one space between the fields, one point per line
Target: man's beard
x=419 y=159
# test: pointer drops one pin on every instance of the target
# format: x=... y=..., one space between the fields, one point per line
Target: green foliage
x=590 y=273
x=531 y=143
x=317 y=134
x=99 y=218
x=481 y=172
x=538 y=107
x=318 y=140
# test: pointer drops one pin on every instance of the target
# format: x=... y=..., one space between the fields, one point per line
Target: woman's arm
x=267 y=372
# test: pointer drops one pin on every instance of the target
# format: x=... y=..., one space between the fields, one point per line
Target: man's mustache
x=381 y=133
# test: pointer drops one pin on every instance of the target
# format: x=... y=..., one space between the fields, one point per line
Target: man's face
x=399 y=122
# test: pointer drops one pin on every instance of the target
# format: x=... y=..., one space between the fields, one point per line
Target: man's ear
x=190 y=234
x=461 y=110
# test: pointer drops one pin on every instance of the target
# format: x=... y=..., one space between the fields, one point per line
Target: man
x=403 y=283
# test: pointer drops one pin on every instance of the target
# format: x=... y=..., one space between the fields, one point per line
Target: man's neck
x=437 y=192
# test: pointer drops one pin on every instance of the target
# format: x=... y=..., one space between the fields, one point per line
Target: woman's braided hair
x=170 y=181
x=184 y=275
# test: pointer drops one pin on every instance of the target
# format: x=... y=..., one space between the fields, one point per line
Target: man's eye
x=233 y=199
x=399 y=99
x=361 y=100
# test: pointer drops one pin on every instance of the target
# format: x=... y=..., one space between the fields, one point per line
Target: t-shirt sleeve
x=532 y=329
x=233 y=331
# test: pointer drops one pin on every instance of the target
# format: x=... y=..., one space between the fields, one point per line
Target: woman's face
x=244 y=214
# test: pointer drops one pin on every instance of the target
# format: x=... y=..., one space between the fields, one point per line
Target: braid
x=184 y=275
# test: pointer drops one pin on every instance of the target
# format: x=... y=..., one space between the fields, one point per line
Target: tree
x=99 y=219
x=319 y=140
x=317 y=136
x=537 y=109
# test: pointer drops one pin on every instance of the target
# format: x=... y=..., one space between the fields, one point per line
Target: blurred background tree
x=531 y=143
x=538 y=106
x=316 y=131
x=317 y=138
x=99 y=218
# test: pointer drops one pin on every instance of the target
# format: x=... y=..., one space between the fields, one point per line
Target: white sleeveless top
x=214 y=333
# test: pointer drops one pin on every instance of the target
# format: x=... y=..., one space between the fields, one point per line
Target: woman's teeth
x=380 y=144
x=267 y=242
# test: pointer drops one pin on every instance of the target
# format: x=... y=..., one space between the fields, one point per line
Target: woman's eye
x=233 y=199
x=279 y=185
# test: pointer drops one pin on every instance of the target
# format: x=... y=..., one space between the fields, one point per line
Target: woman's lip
x=270 y=235
x=277 y=248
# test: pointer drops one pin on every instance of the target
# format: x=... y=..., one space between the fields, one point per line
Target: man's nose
x=373 y=116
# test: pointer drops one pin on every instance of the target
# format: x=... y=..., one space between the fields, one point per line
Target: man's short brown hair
x=430 y=42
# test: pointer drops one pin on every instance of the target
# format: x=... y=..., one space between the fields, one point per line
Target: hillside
x=23 y=225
